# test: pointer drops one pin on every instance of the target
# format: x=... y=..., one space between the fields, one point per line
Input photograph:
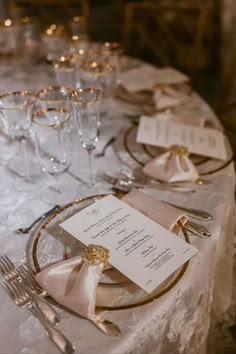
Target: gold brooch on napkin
x=173 y=165
x=96 y=255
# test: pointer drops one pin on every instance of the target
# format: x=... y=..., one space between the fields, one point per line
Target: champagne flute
x=51 y=128
x=16 y=110
x=87 y=104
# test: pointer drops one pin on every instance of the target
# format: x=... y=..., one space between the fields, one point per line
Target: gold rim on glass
x=74 y=96
x=53 y=125
x=110 y=308
x=19 y=93
x=51 y=89
x=99 y=69
x=145 y=148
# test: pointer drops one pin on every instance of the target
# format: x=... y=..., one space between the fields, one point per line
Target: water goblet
x=51 y=129
x=16 y=110
x=87 y=104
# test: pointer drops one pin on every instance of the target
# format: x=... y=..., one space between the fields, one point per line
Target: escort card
x=199 y=140
x=141 y=249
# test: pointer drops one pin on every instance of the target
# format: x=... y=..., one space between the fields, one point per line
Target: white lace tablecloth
x=178 y=322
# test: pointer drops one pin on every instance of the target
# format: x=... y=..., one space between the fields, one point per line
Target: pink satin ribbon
x=170 y=167
x=73 y=283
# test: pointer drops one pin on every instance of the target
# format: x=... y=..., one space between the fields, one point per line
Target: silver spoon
x=26 y=230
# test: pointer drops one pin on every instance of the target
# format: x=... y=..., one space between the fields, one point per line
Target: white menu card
x=139 y=248
x=199 y=140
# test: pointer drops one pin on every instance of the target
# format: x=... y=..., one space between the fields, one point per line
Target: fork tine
x=28 y=275
x=8 y=289
x=9 y=263
x=8 y=268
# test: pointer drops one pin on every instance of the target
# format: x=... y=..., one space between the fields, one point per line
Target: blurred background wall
x=195 y=36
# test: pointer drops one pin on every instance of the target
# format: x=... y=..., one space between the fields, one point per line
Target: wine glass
x=112 y=53
x=57 y=97
x=51 y=128
x=100 y=75
x=87 y=104
x=65 y=71
x=16 y=110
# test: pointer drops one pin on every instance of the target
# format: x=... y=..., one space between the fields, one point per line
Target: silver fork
x=28 y=275
x=126 y=185
x=23 y=299
x=10 y=273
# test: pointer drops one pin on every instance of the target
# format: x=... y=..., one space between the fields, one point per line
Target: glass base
x=61 y=194
x=86 y=190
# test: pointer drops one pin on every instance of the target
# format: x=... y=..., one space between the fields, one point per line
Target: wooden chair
x=51 y=10
x=172 y=31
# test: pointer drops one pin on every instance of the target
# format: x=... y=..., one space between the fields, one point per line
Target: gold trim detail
x=108 y=308
x=95 y=254
x=145 y=148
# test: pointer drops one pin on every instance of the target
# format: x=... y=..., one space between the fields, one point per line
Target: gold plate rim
x=131 y=154
x=106 y=308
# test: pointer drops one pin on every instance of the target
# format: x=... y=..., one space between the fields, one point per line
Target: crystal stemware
x=65 y=71
x=16 y=110
x=51 y=129
x=57 y=97
x=100 y=75
x=87 y=104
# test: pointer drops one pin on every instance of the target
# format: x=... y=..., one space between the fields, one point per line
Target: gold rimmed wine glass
x=99 y=75
x=57 y=97
x=65 y=71
x=87 y=104
x=51 y=128
x=16 y=110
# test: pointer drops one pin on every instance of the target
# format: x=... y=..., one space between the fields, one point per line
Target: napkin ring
x=179 y=150
x=95 y=254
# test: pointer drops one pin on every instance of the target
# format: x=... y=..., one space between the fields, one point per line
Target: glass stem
x=91 y=175
x=26 y=160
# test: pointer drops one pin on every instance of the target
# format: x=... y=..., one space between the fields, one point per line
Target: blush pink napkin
x=73 y=283
x=171 y=167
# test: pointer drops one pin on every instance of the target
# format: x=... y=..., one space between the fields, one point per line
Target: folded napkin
x=73 y=283
x=147 y=76
x=166 y=96
x=172 y=166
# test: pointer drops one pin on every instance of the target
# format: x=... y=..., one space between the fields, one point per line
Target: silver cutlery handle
x=48 y=213
x=197 y=229
x=196 y=213
x=58 y=338
x=47 y=310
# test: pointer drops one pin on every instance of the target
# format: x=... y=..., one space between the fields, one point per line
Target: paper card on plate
x=199 y=140
x=139 y=248
x=146 y=77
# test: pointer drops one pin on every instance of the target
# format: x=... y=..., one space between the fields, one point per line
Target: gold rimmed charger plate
x=51 y=244
x=142 y=153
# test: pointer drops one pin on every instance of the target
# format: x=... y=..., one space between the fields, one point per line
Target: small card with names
x=141 y=249
x=199 y=140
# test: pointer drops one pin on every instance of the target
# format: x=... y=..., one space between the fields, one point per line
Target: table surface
x=179 y=321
